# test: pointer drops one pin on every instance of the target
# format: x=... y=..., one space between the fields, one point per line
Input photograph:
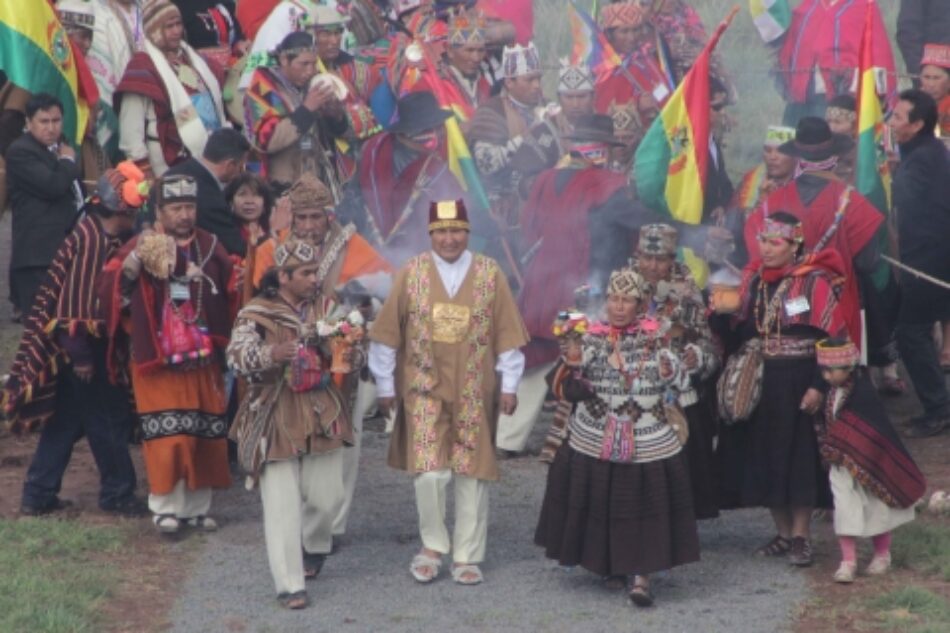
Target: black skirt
x=772 y=459
x=703 y=473
x=618 y=519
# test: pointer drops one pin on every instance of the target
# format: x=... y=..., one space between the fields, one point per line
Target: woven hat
x=626 y=119
x=936 y=55
x=778 y=134
x=838 y=353
x=418 y=112
x=467 y=28
x=309 y=193
x=625 y=282
x=76 y=14
x=814 y=141
x=518 y=61
x=620 y=14
x=176 y=188
x=594 y=128
x=448 y=214
x=657 y=239
x=294 y=252
x=155 y=13
x=324 y=17
x=574 y=78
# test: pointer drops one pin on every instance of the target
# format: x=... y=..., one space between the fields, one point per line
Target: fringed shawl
x=861 y=439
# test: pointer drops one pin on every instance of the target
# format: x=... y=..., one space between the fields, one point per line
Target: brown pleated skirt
x=618 y=519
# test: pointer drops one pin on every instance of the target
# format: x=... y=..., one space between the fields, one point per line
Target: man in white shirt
x=448 y=328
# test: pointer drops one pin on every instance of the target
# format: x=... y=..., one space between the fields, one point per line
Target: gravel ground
x=366 y=586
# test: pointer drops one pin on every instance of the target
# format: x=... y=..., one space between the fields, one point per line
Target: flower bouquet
x=569 y=327
x=342 y=335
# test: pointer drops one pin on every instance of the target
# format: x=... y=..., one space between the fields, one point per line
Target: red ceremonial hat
x=448 y=214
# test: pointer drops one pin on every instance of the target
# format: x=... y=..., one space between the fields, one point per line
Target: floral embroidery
x=472 y=410
x=421 y=405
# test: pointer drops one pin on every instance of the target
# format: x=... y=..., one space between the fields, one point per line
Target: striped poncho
x=66 y=301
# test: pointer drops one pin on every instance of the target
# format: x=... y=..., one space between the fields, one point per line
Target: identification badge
x=660 y=92
x=179 y=291
x=796 y=306
x=306 y=144
x=450 y=322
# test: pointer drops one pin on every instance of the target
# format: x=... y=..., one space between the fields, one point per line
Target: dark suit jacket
x=41 y=194
x=214 y=215
x=921 y=22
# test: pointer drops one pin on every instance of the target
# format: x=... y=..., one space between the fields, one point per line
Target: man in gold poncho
x=449 y=324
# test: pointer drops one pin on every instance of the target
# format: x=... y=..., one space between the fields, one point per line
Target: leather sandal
x=801 y=553
x=166 y=523
x=312 y=564
x=640 y=593
x=778 y=546
x=202 y=522
x=425 y=568
x=295 y=600
x=467 y=574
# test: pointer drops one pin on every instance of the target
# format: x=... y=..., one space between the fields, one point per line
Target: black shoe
x=132 y=507
x=55 y=505
x=926 y=427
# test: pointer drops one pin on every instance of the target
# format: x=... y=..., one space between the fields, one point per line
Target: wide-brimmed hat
x=814 y=141
x=594 y=128
x=418 y=112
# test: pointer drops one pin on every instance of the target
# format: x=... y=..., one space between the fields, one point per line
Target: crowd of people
x=286 y=216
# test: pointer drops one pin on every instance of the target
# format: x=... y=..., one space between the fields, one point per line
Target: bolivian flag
x=872 y=177
x=771 y=18
x=671 y=162
x=36 y=55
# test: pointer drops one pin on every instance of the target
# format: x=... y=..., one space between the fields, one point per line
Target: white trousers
x=301 y=497
x=513 y=430
x=365 y=397
x=182 y=502
x=471 y=515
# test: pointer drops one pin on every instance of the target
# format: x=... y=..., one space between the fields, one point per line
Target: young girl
x=874 y=480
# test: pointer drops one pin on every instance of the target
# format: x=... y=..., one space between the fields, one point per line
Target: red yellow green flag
x=35 y=54
x=671 y=162
x=872 y=176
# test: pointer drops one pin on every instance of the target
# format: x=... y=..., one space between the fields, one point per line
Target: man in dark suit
x=223 y=159
x=921 y=196
x=44 y=193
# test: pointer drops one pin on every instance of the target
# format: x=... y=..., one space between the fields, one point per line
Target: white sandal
x=202 y=522
x=846 y=572
x=423 y=562
x=460 y=570
x=166 y=523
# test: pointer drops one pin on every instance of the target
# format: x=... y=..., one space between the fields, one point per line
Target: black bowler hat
x=594 y=128
x=418 y=112
x=814 y=141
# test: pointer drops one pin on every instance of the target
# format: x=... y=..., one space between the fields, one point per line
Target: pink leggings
x=848 y=544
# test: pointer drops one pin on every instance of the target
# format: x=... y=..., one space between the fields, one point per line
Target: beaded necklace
x=201 y=282
x=764 y=323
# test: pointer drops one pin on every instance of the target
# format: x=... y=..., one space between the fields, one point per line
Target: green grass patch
x=912 y=610
x=923 y=547
x=54 y=574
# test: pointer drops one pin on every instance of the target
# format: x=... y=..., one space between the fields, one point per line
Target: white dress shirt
x=382 y=358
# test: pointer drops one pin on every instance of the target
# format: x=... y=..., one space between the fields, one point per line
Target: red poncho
x=858 y=226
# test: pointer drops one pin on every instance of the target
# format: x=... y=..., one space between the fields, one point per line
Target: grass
x=912 y=610
x=54 y=574
x=745 y=56
x=923 y=547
